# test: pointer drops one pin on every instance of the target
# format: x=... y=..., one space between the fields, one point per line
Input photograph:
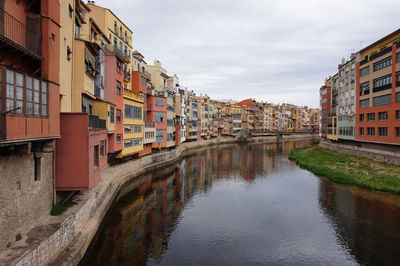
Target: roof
x=111 y=13
x=381 y=39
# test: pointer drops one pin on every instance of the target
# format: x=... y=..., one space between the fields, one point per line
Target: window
x=69 y=53
x=398 y=97
x=398 y=114
x=119 y=65
x=371 y=131
x=364 y=103
x=132 y=128
x=118 y=116
x=159 y=102
x=70 y=11
x=382 y=100
x=159 y=136
x=383 y=115
x=96 y=156
x=25 y=95
x=143 y=80
x=383 y=63
x=364 y=88
x=112 y=114
x=159 y=117
x=77 y=29
x=118 y=90
x=128 y=143
x=118 y=138
x=38 y=168
x=102 y=148
x=382 y=131
x=364 y=71
x=382 y=83
x=133 y=112
x=115 y=27
x=361 y=131
x=371 y=116
x=361 y=117
x=398 y=57
x=397 y=129
x=397 y=79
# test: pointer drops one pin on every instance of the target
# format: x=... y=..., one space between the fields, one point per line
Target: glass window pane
x=19 y=105
x=44 y=98
x=20 y=79
x=44 y=110
x=36 y=85
x=44 y=86
x=36 y=109
x=29 y=82
x=20 y=93
x=10 y=91
x=29 y=95
x=10 y=104
x=10 y=76
x=29 y=108
x=36 y=97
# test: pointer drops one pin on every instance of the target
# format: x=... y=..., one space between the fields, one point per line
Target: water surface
x=243 y=205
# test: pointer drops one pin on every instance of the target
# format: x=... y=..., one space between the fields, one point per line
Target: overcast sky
x=271 y=50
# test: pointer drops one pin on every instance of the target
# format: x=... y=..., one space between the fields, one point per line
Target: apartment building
x=141 y=85
x=181 y=113
x=85 y=112
x=346 y=99
x=29 y=111
x=378 y=91
x=159 y=79
x=325 y=103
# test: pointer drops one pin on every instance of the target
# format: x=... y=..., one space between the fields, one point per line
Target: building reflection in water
x=366 y=223
x=138 y=226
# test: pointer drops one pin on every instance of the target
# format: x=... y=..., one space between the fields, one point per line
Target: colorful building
x=29 y=111
x=378 y=91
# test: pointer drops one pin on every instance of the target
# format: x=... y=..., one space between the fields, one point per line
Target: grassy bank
x=349 y=169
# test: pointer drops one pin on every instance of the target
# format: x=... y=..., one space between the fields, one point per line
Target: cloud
x=276 y=51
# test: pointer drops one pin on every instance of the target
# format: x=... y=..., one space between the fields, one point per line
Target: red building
x=378 y=91
x=325 y=103
x=29 y=110
x=158 y=114
x=113 y=94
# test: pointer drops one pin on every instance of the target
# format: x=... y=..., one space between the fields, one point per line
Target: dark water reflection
x=237 y=205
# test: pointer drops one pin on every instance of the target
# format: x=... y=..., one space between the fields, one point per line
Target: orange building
x=29 y=110
x=378 y=91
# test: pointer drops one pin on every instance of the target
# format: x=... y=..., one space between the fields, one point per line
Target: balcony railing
x=96 y=123
x=381 y=52
x=127 y=76
x=149 y=124
x=21 y=34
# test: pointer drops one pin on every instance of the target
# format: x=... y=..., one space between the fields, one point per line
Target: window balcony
x=20 y=36
x=96 y=123
x=380 y=53
x=127 y=76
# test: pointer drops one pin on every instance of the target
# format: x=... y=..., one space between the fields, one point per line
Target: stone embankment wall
x=375 y=154
x=69 y=243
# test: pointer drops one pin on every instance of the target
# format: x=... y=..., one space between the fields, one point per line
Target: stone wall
x=23 y=199
x=69 y=243
x=370 y=152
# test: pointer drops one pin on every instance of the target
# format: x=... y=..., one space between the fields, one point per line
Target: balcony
x=149 y=124
x=134 y=96
x=380 y=53
x=127 y=76
x=20 y=36
x=96 y=123
x=117 y=51
x=127 y=58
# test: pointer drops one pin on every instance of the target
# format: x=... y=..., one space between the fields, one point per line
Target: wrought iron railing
x=21 y=34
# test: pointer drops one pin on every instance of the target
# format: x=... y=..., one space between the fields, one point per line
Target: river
x=246 y=205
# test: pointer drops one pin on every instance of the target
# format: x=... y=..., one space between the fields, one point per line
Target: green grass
x=59 y=209
x=348 y=169
x=18 y=237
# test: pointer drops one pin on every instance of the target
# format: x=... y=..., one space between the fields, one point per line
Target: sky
x=277 y=51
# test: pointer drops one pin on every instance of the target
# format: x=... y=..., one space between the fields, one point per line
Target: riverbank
x=349 y=169
x=72 y=232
